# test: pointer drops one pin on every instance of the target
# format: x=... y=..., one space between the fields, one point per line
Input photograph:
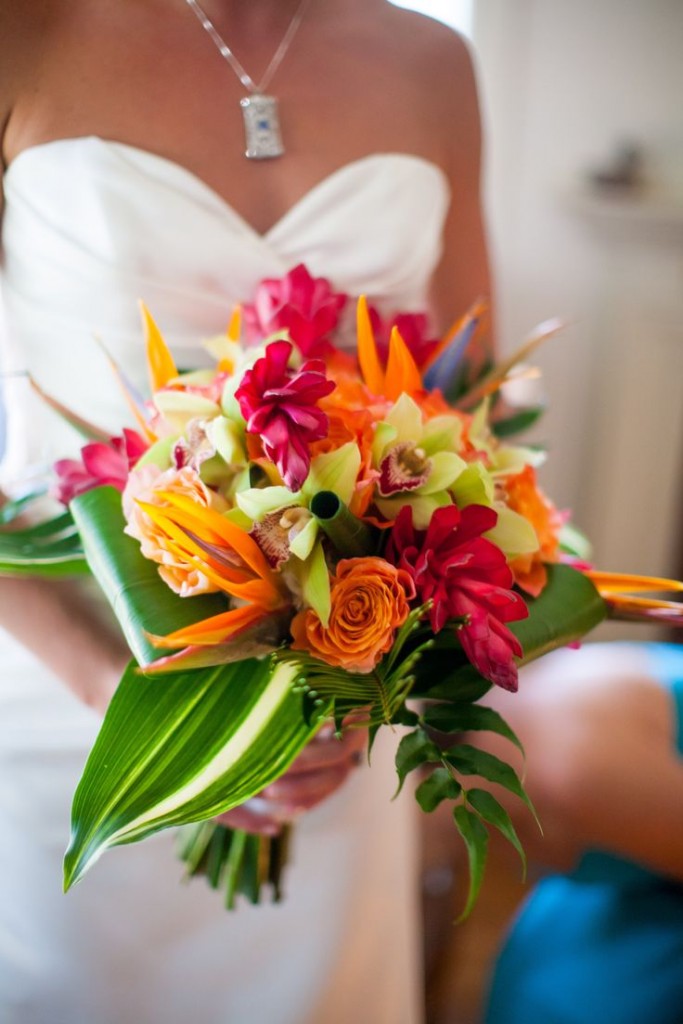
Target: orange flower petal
x=214 y=630
x=626 y=583
x=368 y=358
x=402 y=374
x=160 y=363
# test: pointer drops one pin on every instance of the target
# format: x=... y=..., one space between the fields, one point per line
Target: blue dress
x=603 y=945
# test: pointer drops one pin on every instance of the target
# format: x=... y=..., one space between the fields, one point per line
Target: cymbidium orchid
x=285 y=527
x=417 y=462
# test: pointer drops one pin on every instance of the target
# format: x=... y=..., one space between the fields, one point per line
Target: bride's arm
x=63 y=624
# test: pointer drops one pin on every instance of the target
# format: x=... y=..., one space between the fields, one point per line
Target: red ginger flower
x=466 y=577
x=304 y=306
x=280 y=405
x=100 y=464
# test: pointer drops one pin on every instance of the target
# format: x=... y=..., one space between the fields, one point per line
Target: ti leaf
x=183 y=748
x=131 y=583
x=51 y=548
x=567 y=609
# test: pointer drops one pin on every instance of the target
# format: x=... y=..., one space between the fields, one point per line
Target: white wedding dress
x=91 y=226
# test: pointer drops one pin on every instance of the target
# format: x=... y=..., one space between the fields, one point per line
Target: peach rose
x=369 y=602
x=143 y=485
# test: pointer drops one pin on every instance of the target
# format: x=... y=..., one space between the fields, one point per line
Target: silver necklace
x=263 y=136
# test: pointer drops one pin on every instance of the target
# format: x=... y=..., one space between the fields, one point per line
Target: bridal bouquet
x=304 y=534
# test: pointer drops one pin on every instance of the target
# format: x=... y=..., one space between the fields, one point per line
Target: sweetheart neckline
x=194 y=179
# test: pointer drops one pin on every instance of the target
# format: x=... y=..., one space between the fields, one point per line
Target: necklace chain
x=227 y=54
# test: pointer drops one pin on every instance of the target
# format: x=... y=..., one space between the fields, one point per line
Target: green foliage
x=183 y=748
x=140 y=599
x=50 y=548
x=476 y=839
x=436 y=788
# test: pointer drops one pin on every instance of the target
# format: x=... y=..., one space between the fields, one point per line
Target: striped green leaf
x=48 y=548
x=182 y=748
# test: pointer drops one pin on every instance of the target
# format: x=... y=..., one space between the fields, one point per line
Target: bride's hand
x=319 y=770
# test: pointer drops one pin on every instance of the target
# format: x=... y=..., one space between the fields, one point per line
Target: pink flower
x=413 y=328
x=467 y=578
x=101 y=464
x=280 y=405
x=304 y=306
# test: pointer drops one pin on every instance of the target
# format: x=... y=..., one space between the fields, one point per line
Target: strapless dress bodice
x=91 y=226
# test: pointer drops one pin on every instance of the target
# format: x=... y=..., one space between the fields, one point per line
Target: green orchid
x=417 y=462
x=285 y=527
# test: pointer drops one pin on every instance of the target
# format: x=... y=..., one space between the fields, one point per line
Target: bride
x=126 y=177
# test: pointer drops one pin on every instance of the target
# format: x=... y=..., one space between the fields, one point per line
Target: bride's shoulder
x=425 y=45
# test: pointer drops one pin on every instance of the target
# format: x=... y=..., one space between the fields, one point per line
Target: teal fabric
x=603 y=945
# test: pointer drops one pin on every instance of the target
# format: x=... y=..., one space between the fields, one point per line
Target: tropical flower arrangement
x=304 y=533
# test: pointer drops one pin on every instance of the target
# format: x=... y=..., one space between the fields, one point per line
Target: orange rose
x=369 y=602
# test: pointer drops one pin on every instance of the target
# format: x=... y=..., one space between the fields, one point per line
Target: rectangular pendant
x=261 y=127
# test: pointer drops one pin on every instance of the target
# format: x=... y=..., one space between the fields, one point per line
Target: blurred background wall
x=565 y=86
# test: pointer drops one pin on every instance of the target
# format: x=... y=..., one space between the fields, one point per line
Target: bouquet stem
x=239 y=862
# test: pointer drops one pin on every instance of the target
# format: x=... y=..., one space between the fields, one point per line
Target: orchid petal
x=442 y=433
x=423 y=506
x=513 y=534
x=335 y=471
x=302 y=545
x=446 y=468
x=258 y=502
x=474 y=486
x=406 y=418
x=315 y=580
x=181 y=406
x=225 y=437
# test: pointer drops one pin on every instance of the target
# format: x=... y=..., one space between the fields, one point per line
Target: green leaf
x=182 y=748
x=13 y=507
x=476 y=840
x=488 y=808
x=471 y=761
x=440 y=785
x=568 y=608
x=446 y=674
x=50 y=548
x=414 y=749
x=468 y=718
x=131 y=583
x=518 y=422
